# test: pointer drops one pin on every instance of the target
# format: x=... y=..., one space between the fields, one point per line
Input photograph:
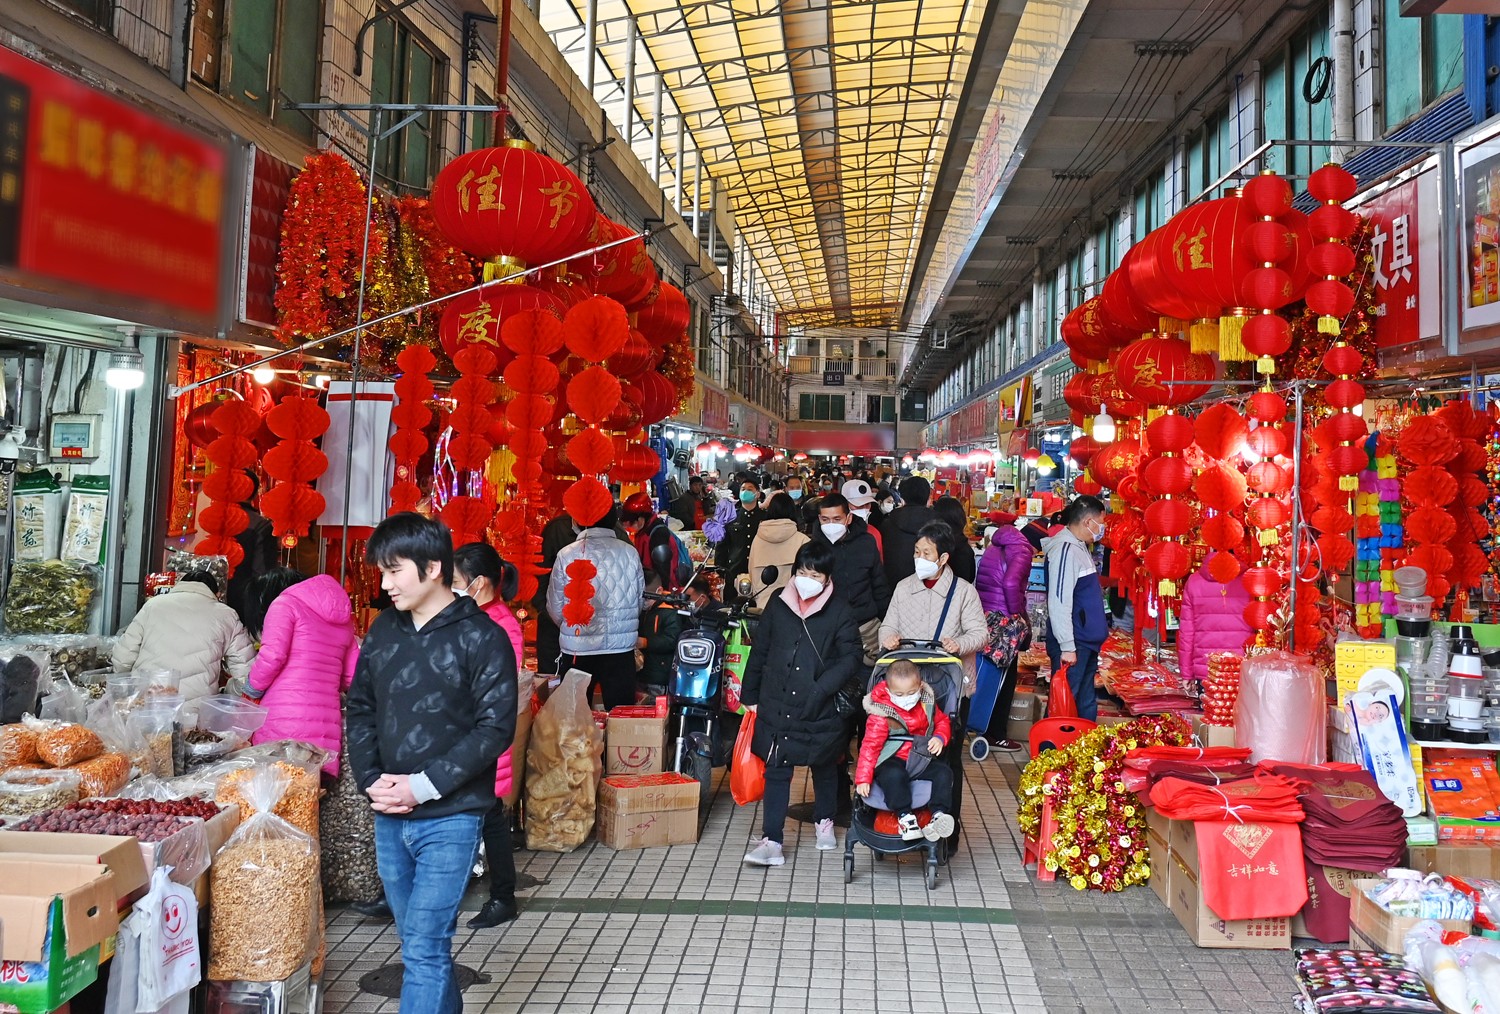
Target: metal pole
x=114 y=520
x=1451 y=232
x=681 y=162
x=629 y=128
x=697 y=191
x=359 y=333
x=1291 y=637
x=590 y=46
x=1342 y=31
x=713 y=228
x=656 y=131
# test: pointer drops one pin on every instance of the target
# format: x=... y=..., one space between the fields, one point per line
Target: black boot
x=494 y=913
x=373 y=909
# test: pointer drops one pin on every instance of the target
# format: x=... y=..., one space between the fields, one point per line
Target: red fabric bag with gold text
x=1251 y=871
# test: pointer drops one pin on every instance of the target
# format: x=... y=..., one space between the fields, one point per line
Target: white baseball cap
x=858 y=493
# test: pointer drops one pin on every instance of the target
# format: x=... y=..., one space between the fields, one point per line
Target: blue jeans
x=1080 y=677
x=425 y=866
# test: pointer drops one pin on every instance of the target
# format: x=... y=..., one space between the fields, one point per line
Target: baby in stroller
x=905 y=730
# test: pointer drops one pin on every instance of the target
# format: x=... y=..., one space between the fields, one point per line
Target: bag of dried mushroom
x=347 y=835
x=264 y=921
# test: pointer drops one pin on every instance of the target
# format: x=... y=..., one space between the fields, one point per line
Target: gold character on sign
x=487 y=188
x=1148 y=373
x=479 y=326
x=561 y=198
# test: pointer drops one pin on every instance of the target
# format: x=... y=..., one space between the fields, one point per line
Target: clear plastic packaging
x=563 y=767
x=230 y=715
x=297 y=804
x=1282 y=712
x=153 y=722
x=24 y=792
x=22 y=680
x=103 y=775
x=63 y=744
x=50 y=598
x=65 y=703
x=17 y=745
x=263 y=924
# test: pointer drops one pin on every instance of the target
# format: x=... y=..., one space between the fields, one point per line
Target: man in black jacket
x=431 y=709
x=732 y=556
x=858 y=574
x=691 y=507
x=899 y=531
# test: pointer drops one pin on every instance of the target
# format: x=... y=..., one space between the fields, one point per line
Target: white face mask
x=463 y=592
x=886 y=506
x=927 y=569
x=808 y=587
x=862 y=512
x=833 y=531
x=907 y=701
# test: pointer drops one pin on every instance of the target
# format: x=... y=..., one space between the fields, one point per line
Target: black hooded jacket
x=858 y=574
x=440 y=701
x=899 y=534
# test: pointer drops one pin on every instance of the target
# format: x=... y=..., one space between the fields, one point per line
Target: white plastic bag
x=157 y=959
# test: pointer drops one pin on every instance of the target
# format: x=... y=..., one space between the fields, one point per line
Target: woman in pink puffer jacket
x=307 y=653
x=1212 y=619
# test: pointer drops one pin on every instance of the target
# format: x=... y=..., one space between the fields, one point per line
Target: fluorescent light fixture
x=1104 y=426
x=127 y=370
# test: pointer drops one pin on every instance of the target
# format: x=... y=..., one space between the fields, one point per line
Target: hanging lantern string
x=174 y=391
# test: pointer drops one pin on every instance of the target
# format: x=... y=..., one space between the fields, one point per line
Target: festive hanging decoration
x=322 y=247
x=1428 y=444
x=468 y=511
x=578 y=605
x=1470 y=493
x=292 y=505
x=411 y=415
x=430 y=266
x=625 y=272
x=1168 y=519
x=475 y=318
x=235 y=421
x=534 y=336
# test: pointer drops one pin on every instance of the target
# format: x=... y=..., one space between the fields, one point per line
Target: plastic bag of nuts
x=297 y=805
x=26 y=791
x=63 y=744
x=263 y=924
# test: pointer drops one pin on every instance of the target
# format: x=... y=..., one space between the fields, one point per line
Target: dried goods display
x=49 y=598
x=350 y=872
x=191 y=806
x=145 y=827
x=298 y=805
x=63 y=744
x=17 y=745
x=25 y=791
x=103 y=775
x=189 y=563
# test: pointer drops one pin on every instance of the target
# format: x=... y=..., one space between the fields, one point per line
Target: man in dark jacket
x=858 y=574
x=431 y=709
x=693 y=506
x=732 y=556
x=899 y=530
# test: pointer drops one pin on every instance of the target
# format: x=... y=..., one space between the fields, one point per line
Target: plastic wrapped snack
x=563 y=767
x=103 y=775
x=1281 y=714
x=63 y=744
x=263 y=924
x=17 y=745
x=297 y=804
x=24 y=792
x=153 y=724
x=50 y=598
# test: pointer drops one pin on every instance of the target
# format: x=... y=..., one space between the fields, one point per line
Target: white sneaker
x=766 y=853
x=939 y=827
x=827 y=840
x=910 y=829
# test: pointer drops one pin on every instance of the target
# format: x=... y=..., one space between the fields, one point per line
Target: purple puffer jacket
x=307 y=655
x=1212 y=619
x=1003 y=572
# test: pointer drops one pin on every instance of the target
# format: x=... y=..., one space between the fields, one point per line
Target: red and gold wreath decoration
x=231 y=452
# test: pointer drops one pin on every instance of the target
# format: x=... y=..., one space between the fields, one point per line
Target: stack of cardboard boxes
x=640 y=804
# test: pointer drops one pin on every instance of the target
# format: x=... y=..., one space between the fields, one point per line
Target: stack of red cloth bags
x=1146 y=766
x=1352 y=830
x=1250 y=862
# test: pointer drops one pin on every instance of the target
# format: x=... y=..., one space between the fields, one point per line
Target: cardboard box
x=1184 y=842
x=1212 y=735
x=35 y=987
x=646 y=811
x=1020 y=732
x=1159 y=825
x=1468 y=861
x=1024 y=708
x=635 y=742
x=121 y=855
x=1373 y=928
x=1208 y=930
x=1161 y=866
x=28 y=887
x=221 y=827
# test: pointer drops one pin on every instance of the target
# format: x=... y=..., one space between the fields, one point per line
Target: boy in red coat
x=905 y=731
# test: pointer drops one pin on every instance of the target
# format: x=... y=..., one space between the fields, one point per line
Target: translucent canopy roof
x=823 y=121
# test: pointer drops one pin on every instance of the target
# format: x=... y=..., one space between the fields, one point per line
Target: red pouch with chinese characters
x=1251 y=871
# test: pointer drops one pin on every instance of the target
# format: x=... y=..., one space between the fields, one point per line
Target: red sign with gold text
x=97 y=192
x=1394 y=251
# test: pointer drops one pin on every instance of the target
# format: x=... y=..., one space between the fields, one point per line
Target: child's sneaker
x=940 y=826
x=910 y=829
x=766 y=853
x=827 y=840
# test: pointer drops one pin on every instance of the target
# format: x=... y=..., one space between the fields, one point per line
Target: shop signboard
x=715 y=410
x=1404 y=248
x=268 y=184
x=1014 y=406
x=1479 y=189
x=97 y=192
x=833 y=378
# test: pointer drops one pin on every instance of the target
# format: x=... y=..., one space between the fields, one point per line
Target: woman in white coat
x=190 y=631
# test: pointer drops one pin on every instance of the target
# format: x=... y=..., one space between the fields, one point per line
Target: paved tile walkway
x=692 y=929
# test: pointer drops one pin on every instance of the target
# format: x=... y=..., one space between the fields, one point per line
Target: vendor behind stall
x=189 y=631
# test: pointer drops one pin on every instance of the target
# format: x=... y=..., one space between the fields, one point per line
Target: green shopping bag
x=736 y=658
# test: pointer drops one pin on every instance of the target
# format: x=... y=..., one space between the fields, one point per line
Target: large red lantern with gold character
x=1154 y=370
x=512 y=201
x=625 y=273
x=663 y=314
x=474 y=318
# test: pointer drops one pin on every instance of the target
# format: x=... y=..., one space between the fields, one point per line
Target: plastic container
x=223 y=714
x=1413 y=627
x=1465 y=695
x=1410 y=581
x=123 y=687
x=1492 y=728
x=1419 y=608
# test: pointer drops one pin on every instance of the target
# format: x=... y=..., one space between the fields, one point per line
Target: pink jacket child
x=1212 y=619
x=307 y=655
x=498 y=611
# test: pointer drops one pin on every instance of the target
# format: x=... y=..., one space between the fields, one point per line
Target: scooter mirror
x=768 y=575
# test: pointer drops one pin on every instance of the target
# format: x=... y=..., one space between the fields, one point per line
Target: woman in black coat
x=806 y=648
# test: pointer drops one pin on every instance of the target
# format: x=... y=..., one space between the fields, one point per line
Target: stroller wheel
x=979 y=748
x=932 y=875
x=848 y=869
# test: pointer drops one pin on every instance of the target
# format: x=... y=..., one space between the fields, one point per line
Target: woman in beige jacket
x=776 y=543
x=190 y=631
x=917 y=603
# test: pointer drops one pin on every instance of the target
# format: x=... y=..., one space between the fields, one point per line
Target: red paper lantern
x=625 y=272
x=1223 y=567
x=1116 y=461
x=512 y=200
x=1220 y=431
x=634 y=356
x=1258 y=614
x=1125 y=313
x=587 y=500
x=663 y=315
x=638 y=464
x=596 y=329
x=478 y=317
x=1269 y=477
x=1168 y=518
x=1084 y=330
x=1168 y=476
x=594 y=394
x=1223 y=531
x=591 y=452
x=532 y=332
x=1345 y=394
x=1168 y=561
x=1083 y=450
x=1330 y=297
x=234 y=487
x=1262 y=582
x=1080 y=394
x=1266 y=406
x=1267 y=335
x=1268 y=195
x=1170 y=433
x=1152 y=370
x=196 y=427
x=1221 y=487
x=1269 y=512
x=1266 y=441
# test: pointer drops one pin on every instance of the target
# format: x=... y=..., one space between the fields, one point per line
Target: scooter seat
x=921 y=795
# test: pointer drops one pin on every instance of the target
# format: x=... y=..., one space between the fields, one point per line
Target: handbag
x=747 y=772
x=1010 y=634
x=1060 y=700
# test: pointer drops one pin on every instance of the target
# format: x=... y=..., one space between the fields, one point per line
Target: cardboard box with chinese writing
x=1373 y=928
x=634 y=742
x=53 y=917
x=645 y=811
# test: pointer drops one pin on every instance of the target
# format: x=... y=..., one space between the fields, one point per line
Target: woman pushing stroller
x=905 y=731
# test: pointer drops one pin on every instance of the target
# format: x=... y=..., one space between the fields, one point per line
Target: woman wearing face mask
x=775 y=548
x=732 y=556
x=1076 y=621
x=807 y=647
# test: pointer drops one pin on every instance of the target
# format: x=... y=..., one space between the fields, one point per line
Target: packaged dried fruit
x=264 y=922
x=17 y=745
x=103 y=775
x=297 y=804
x=63 y=744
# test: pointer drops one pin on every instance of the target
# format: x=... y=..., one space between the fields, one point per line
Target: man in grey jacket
x=604 y=646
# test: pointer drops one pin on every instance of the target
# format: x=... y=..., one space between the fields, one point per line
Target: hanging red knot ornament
x=410 y=415
x=1167 y=518
x=292 y=505
x=594 y=330
x=235 y=421
x=534 y=337
x=467 y=513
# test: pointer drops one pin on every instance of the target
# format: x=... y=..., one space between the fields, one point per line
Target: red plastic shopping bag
x=1060 y=702
x=747 y=772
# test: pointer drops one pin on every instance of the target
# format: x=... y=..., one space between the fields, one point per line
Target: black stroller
x=944 y=673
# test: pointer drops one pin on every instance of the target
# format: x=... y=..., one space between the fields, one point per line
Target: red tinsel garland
x=322 y=243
